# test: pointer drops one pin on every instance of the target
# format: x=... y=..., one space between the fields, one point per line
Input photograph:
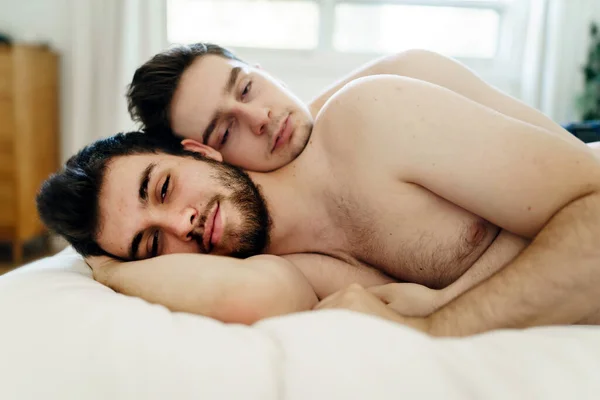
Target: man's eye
x=225 y=137
x=247 y=89
x=154 y=251
x=165 y=189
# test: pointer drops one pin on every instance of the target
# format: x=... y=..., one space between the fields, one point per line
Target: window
x=308 y=44
x=243 y=23
x=460 y=28
x=386 y=28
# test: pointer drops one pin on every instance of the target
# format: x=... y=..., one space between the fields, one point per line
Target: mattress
x=65 y=336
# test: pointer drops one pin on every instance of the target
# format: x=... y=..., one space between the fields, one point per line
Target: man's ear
x=197 y=147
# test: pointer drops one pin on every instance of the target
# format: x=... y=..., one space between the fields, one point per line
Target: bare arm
x=554 y=281
x=501 y=253
x=511 y=173
x=227 y=289
x=414 y=300
x=448 y=73
x=327 y=275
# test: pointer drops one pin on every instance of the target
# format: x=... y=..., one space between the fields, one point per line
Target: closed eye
x=154 y=251
x=225 y=137
x=246 y=89
x=165 y=189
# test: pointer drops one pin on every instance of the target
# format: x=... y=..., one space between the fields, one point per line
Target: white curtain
x=556 y=50
x=109 y=39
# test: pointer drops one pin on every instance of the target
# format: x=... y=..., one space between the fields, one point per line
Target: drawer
x=6 y=140
x=5 y=73
x=7 y=165
x=8 y=213
x=7 y=125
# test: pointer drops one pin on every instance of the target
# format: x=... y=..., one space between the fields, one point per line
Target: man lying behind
x=177 y=88
x=401 y=180
x=205 y=93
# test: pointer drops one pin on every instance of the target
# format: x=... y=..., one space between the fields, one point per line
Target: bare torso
x=389 y=230
x=384 y=228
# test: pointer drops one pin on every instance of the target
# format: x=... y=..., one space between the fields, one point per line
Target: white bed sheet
x=64 y=336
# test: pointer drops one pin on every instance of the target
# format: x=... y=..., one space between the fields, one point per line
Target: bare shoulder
x=373 y=118
x=371 y=90
x=378 y=100
x=367 y=108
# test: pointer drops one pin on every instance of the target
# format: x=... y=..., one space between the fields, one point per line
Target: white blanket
x=64 y=336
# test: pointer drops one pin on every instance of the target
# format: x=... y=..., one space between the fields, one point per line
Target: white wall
x=30 y=19
x=46 y=21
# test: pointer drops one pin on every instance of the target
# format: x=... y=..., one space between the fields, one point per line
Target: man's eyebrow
x=143 y=198
x=232 y=79
x=233 y=76
x=144 y=180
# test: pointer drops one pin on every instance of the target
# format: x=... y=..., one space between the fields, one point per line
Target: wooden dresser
x=28 y=138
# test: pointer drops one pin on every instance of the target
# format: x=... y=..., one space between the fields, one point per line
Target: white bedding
x=64 y=336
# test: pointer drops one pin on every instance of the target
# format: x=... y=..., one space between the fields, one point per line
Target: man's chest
x=403 y=230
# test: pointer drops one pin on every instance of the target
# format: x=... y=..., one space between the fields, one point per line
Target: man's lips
x=209 y=228
x=217 y=228
x=283 y=134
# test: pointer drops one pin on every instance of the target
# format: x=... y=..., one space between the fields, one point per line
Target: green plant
x=589 y=102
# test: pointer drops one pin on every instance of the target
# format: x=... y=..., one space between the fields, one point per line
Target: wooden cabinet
x=28 y=138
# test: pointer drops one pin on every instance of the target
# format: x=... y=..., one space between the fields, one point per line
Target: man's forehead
x=123 y=172
x=207 y=74
x=127 y=162
x=200 y=90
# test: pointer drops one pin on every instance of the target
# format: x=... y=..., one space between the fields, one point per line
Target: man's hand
x=356 y=298
x=101 y=267
x=409 y=299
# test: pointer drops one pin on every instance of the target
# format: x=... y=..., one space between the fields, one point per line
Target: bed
x=64 y=336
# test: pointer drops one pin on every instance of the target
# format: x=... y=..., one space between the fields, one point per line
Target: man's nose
x=258 y=118
x=182 y=225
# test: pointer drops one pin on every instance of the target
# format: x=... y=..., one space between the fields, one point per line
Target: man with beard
x=411 y=183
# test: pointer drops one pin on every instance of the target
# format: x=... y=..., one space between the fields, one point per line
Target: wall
x=46 y=21
x=53 y=21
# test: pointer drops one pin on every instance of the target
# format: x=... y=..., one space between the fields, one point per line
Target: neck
x=297 y=208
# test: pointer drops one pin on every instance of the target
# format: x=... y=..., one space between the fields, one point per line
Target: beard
x=252 y=236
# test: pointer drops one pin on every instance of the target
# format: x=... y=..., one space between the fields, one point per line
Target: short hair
x=68 y=201
x=151 y=91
